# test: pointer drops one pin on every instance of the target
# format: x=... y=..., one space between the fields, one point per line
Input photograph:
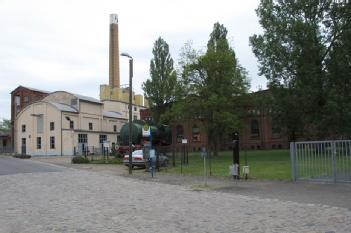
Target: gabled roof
x=32 y=89
x=64 y=107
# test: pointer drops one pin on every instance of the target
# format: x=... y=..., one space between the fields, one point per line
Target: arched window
x=196 y=133
x=180 y=133
x=255 y=130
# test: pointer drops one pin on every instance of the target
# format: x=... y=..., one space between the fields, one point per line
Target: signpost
x=106 y=145
x=236 y=162
x=203 y=155
x=182 y=160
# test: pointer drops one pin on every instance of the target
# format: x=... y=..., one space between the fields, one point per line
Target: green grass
x=264 y=164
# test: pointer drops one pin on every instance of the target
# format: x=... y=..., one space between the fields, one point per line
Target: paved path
x=9 y=165
x=85 y=201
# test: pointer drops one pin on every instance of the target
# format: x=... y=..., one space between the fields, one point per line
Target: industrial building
x=63 y=123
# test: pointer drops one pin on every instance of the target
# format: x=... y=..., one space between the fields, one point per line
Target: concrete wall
x=28 y=117
x=60 y=97
x=122 y=107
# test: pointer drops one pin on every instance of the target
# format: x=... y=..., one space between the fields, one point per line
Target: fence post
x=293 y=160
x=334 y=160
x=173 y=156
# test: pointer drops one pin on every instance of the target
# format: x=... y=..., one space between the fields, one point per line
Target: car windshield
x=137 y=152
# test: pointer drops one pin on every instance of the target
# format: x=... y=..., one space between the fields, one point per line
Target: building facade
x=66 y=124
x=21 y=97
x=258 y=131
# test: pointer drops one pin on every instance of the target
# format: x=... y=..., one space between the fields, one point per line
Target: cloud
x=63 y=44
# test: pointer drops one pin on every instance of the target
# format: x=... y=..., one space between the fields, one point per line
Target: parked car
x=138 y=159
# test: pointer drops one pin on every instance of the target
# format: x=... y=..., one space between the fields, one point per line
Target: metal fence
x=90 y=151
x=6 y=150
x=321 y=160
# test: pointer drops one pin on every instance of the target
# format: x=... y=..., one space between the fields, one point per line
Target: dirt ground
x=302 y=192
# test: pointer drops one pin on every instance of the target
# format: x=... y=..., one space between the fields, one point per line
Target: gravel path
x=85 y=201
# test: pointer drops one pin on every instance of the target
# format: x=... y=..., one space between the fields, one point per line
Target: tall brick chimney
x=114 y=52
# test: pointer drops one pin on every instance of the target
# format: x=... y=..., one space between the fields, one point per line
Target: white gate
x=321 y=160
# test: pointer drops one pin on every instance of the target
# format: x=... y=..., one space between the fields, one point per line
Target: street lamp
x=130 y=108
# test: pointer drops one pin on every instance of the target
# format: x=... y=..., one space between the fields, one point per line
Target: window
x=82 y=138
x=196 y=133
x=52 y=142
x=102 y=138
x=180 y=133
x=135 y=108
x=52 y=126
x=71 y=124
x=115 y=128
x=90 y=126
x=74 y=102
x=255 y=130
x=38 y=142
x=40 y=123
x=17 y=103
x=23 y=128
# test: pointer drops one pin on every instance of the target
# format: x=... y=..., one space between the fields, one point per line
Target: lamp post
x=130 y=108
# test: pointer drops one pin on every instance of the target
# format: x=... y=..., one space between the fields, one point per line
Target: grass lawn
x=264 y=164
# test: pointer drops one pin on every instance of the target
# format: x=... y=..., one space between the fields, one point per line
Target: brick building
x=21 y=97
x=258 y=132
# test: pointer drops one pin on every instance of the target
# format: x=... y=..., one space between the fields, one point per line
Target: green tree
x=214 y=84
x=5 y=124
x=160 y=90
x=293 y=52
x=338 y=111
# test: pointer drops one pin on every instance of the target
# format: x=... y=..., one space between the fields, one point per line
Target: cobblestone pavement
x=303 y=192
x=85 y=201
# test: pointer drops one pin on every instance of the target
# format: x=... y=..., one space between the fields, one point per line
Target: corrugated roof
x=112 y=114
x=87 y=98
x=32 y=89
x=64 y=107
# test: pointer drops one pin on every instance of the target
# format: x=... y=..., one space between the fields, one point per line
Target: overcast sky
x=63 y=45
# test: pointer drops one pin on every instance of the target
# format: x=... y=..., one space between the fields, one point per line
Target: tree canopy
x=214 y=83
x=5 y=124
x=296 y=52
x=160 y=89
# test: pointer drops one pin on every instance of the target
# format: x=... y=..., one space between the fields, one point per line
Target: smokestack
x=114 y=52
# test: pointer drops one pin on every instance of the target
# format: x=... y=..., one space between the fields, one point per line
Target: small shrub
x=80 y=159
x=22 y=156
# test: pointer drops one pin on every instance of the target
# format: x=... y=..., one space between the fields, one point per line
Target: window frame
x=52 y=125
x=52 y=142
x=38 y=143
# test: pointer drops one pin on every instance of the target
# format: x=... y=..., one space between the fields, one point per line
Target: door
x=24 y=151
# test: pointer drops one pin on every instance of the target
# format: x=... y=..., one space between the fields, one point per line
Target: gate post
x=334 y=160
x=293 y=160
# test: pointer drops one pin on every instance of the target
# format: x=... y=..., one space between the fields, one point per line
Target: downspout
x=61 y=134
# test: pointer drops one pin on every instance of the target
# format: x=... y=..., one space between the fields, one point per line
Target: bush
x=22 y=156
x=80 y=159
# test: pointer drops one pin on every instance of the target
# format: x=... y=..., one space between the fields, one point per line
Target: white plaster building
x=64 y=123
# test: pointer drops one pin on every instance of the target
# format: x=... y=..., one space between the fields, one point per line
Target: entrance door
x=24 y=151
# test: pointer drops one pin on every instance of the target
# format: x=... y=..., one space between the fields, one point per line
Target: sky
x=63 y=44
